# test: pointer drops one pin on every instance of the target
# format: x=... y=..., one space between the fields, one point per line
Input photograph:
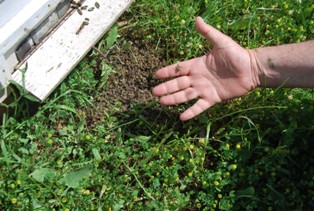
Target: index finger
x=179 y=69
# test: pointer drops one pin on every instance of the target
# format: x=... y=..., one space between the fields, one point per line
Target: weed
x=251 y=153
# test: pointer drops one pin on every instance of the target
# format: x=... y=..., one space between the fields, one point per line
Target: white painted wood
x=18 y=20
x=9 y=9
x=62 y=51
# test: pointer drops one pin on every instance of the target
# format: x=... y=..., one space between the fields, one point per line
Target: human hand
x=226 y=72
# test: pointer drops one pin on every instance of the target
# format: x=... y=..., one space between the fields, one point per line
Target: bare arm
x=230 y=71
x=289 y=65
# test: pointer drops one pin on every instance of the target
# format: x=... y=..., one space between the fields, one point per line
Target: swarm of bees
x=78 y=5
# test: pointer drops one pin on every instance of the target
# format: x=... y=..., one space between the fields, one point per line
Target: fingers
x=172 y=86
x=200 y=106
x=179 y=69
x=179 y=97
x=214 y=36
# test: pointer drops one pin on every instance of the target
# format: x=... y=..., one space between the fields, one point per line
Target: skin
x=229 y=71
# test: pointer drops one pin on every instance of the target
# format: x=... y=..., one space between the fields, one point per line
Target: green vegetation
x=253 y=153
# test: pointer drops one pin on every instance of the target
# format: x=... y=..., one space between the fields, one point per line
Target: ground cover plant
x=102 y=142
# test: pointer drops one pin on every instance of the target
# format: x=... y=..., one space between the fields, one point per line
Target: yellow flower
x=216 y=183
x=219 y=196
x=227 y=146
x=234 y=166
x=191 y=146
x=86 y=192
x=87 y=137
x=14 y=200
x=238 y=146
x=190 y=174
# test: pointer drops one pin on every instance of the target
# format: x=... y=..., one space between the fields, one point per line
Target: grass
x=252 y=153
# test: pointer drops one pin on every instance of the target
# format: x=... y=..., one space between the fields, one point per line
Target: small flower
x=216 y=183
x=227 y=146
x=86 y=192
x=12 y=185
x=219 y=195
x=190 y=174
x=50 y=141
x=238 y=146
x=14 y=200
x=87 y=137
x=234 y=166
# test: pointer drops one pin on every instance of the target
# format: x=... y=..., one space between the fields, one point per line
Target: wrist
x=257 y=72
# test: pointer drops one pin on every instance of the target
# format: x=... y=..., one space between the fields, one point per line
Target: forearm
x=289 y=65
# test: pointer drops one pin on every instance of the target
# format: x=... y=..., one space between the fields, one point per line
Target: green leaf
x=23 y=150
x=73 y=178
x=96 y=154
x=4 y=150
x=31 y=97
x=18 y=86
x=42 y=173
x=112 y=36
x=246 y=193
x=66 y=108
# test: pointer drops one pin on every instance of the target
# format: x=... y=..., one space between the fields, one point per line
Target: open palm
x=224 y=73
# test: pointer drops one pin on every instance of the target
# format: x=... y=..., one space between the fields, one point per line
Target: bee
x=90 y=9
x=74 y=6
x=84 y=23
x=79 y=3
x=84 y=7
x=79 y=11
x=97 y=5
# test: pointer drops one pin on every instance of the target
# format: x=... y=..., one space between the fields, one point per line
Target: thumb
x=214 y=36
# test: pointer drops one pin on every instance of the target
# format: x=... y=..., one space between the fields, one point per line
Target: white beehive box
x=24 y=25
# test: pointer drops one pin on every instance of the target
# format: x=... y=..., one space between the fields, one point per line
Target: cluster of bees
x=78 y=5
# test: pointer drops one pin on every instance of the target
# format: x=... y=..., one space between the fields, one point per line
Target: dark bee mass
x=135 y=65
